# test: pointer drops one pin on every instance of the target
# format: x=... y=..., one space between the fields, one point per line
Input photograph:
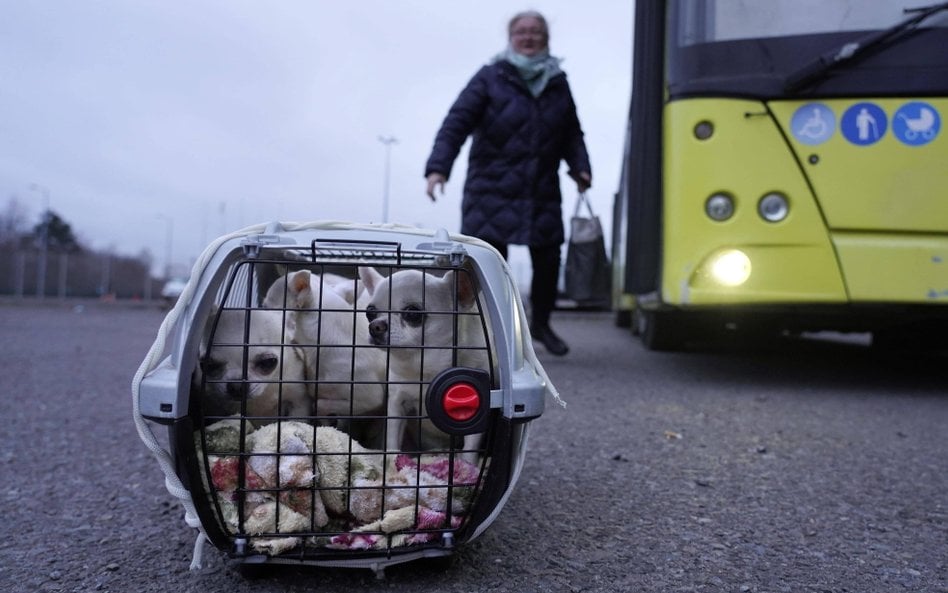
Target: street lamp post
x=387 y=141
x=44 y=241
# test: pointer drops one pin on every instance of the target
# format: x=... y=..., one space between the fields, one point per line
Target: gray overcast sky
x=208 y=116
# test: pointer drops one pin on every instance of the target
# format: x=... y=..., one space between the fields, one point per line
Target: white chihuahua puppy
x=415 y=315
x=273 y=384
x=325 y=324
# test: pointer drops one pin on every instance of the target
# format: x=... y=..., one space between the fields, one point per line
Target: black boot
x=550 y=340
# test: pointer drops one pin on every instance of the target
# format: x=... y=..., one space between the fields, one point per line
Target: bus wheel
x=624 y=318
x=659 y=330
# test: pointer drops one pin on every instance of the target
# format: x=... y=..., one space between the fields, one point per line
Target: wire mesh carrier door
x=341 y=395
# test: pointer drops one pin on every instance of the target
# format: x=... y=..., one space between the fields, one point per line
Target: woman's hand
x=434 y=180
x=583 y=181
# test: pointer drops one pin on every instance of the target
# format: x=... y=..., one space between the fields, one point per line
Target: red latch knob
x=461 y=402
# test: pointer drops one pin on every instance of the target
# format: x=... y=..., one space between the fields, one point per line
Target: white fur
x=397 y=303
x=325 y=325
x=273 y=366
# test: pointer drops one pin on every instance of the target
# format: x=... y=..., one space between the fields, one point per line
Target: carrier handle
x=363 y=243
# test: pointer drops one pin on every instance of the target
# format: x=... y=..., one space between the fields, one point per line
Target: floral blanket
x=317 y=486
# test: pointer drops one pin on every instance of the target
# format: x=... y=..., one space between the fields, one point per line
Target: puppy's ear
x=300 y=292
x=467 y=295
x=461 y=281
x=370 y=278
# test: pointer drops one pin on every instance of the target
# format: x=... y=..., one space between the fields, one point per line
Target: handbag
x=588 y=274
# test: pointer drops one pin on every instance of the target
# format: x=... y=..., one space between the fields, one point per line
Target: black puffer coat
x=512 y=192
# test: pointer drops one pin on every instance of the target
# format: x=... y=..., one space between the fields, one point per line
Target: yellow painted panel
x=779 y=274
x=908 y=269
x=886 y=185
x=746 y=157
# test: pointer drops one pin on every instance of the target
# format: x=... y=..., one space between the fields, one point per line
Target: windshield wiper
x=820 y=67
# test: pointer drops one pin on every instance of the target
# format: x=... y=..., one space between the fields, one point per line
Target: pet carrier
x=342 y=395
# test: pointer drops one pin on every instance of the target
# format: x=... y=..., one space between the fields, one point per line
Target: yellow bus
x=786 y=169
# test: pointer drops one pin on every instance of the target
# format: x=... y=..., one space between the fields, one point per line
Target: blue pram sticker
x=916 y=123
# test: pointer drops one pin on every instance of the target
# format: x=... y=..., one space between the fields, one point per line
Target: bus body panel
x=895 y=268
x=884 y=184
x=746 y=157
x=871 y=254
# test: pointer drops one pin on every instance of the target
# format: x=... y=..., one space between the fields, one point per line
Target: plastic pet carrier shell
x=342 y=394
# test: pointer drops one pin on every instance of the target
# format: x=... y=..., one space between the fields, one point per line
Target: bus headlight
x=731 y=267
x=773 y=207
x=719 y=207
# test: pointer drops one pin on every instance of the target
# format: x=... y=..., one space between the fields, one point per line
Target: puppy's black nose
x=378 y=329
x=236 y=390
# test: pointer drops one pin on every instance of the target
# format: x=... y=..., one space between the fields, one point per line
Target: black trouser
x=546 y=275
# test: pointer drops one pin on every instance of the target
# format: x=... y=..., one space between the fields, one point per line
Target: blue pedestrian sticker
x=813 y=123
x=863 y=124
x=916 y=123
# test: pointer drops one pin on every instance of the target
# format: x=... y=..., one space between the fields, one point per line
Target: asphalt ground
x=797 y=466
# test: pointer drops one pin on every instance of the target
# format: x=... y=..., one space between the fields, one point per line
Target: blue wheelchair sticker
x=813 y=123
x=863 y=124
x=916 y=123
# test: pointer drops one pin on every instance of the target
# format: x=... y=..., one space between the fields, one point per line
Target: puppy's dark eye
x=213 y=369
x=413 y=315
x=371 y=312
x=266 y=364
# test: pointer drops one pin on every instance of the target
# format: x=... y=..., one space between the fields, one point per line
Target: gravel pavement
x=790 y=467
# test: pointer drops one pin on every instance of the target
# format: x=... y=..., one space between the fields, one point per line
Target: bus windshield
x=736 y=47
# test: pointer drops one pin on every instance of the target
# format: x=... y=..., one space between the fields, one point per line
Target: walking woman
x=520 y=113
